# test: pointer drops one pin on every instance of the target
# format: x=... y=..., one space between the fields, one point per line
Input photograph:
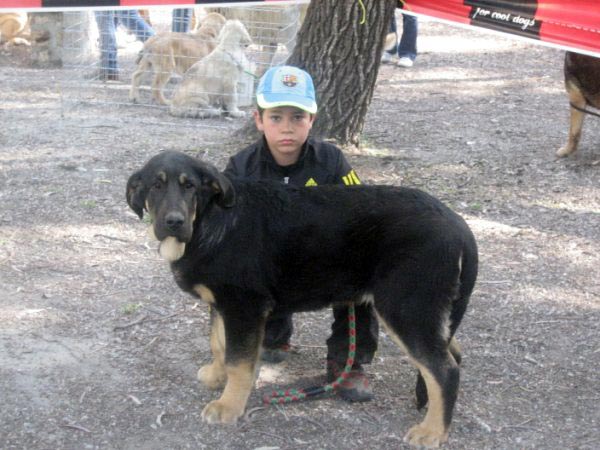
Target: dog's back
x=583 y=73
x=370 y=231
x=179 y=51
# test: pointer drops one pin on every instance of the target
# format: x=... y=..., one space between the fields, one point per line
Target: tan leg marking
x=151 y=233
x=454 y=347
x=205 y=293
x=231 y=405
x=213 y=375
x=431 y=432
x=576 y=121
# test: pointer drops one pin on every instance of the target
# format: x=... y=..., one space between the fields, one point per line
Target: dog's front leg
x=230 y=98
x=213 y=375
x=243 y=332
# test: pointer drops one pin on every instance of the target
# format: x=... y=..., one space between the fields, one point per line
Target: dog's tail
x=466 y=282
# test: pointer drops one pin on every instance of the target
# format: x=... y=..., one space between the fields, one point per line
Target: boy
x=285 y=114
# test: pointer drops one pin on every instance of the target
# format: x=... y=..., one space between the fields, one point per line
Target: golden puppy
x=171 y=52
x=13 y=26
x=210 y=85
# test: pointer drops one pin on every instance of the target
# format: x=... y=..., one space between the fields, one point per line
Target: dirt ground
x=99 y=349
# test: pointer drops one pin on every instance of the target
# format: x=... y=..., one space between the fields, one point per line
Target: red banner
x=568 y=24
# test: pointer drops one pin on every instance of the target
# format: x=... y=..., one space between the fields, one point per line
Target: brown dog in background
x=171 y=52
x=582 y=81
x=13 y=28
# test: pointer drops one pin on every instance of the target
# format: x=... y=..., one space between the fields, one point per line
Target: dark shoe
x=275 y=355
x=355 y=387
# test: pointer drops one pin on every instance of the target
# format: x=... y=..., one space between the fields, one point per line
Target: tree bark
x=340 y=45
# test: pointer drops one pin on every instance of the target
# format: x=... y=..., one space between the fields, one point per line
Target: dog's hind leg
x=158 y=84
x=576 y=120
x=428 y=351
x=421 y=398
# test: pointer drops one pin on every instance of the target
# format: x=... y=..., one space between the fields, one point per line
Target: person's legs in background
x=276 y=343
x=107 y=24
x=407 y=49
x=356 y=387
x=180 y=22
x=132 y=20
x=108 y=45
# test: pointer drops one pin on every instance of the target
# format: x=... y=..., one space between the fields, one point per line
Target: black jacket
x=319 y=163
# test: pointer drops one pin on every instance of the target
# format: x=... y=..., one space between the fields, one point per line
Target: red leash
x=292 y=395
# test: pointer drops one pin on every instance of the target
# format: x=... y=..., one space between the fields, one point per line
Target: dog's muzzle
x=174 y=222
x=173 y=233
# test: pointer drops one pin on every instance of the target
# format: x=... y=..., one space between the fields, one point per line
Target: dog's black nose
x=174 y=220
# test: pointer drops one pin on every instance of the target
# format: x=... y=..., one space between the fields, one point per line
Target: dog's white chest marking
x=171 y=249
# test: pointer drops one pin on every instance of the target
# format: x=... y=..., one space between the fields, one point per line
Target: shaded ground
x=99 y=348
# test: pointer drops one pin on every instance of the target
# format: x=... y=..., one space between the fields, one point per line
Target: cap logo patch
x=289 y=80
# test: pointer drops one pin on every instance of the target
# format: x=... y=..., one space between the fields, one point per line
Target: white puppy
x=210 y=85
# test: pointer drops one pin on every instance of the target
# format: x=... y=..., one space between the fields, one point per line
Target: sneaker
x=386 y=58
x=405 y=62
x=275 y=355
x=355 y=388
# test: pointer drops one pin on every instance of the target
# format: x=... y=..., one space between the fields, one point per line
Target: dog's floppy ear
x=220 y=184
x=136 y=193
x=226 y=193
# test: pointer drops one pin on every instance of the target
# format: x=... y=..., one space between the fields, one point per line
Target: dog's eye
x=189 y=185
x=157 y=185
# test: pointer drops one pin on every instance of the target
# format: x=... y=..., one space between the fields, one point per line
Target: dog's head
x=234 y=35
x=211 y=25
x=174 y=189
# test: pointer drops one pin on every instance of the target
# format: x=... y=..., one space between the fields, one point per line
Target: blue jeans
x=107 y=24
x=180 y=22
x=408 y=42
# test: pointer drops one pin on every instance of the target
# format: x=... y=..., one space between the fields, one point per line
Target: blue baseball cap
x=286 y=86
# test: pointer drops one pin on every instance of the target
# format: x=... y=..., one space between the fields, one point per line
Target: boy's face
x=286 y=129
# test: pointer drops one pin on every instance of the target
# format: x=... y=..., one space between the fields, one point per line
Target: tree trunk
x=343 y=56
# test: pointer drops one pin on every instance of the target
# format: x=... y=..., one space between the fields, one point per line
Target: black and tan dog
x=582 y=81
x=252 y=248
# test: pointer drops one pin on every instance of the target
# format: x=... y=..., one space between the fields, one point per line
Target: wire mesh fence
x=193 y=62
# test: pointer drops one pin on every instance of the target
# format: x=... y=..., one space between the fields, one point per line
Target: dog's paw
x=218 y=411
x=212 y=376
x=565 y=151
x=425 y=436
